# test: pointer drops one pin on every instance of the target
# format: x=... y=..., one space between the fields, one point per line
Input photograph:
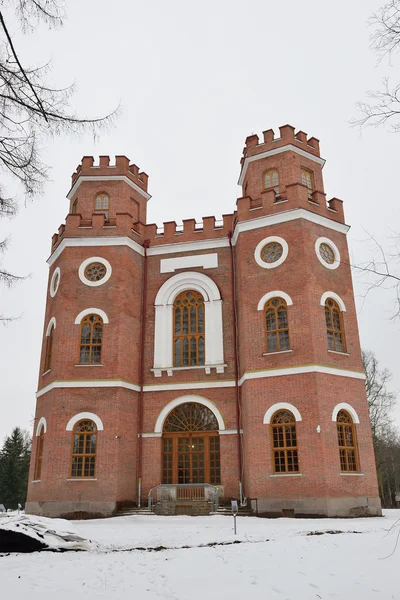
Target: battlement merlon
x=288 y=137
x=104 y=171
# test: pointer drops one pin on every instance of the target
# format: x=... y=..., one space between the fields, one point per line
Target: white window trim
x=348 y=408
x=84 y=415
x=52 y=323
x=91 y=311
x=275 y=294
x=334 y=296
x=264 y=242
x=281 y=406
x=42 y=423
x=53 y=291
x=93 y=259
x=164 y=306
x=324 y=240
x=159 y=426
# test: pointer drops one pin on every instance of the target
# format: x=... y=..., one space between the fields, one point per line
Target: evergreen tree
x=14 y=468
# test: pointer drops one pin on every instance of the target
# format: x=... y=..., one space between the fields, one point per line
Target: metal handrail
x=168 y=492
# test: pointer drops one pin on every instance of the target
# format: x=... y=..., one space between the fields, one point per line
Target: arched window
x=74 y=207
x=334 y=326
x=307 y=179
x=91 y=340
x=39 y=454
x=276 y=325
x=271 y=180
x=347 y=442
x=191 y=445
x=102 y=204
x=84 y=443
x=189 y=329
x=49 y=349
x=284 y=442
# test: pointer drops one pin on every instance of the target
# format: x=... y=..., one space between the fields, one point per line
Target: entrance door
x=191 y=446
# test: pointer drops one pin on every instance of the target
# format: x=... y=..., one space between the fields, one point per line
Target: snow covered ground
x=276 y=559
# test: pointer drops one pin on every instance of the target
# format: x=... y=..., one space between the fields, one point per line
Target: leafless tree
x=381 y=403
x=30 y=108
x=383 y=106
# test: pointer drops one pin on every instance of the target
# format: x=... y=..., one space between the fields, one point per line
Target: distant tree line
x=385 y=434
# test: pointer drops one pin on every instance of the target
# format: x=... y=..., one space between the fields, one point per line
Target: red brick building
x=222 y=353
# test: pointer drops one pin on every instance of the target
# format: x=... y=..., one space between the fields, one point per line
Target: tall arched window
x=347 y=442
x=307 y=178
x=191 y=445
x=189 y=328
x=271 y=180
x=91 y=340
x=102 y=204
x=284 y=442
x=74 y=207
x=334 y=326
x=276 y=325
x=39 y=455
x=49 y=349
x=84 y=443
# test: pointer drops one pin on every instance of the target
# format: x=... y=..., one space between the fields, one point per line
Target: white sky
x=194 y=80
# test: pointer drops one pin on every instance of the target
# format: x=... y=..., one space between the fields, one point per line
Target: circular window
x=327 y=253
x=55 y=282
x=95 y=271
x=271 y=252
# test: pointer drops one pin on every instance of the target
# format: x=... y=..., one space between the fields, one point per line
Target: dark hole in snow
x=330 y=532
x=14 y=541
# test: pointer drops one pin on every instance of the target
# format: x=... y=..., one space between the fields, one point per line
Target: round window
x=271 y=252
x=55 y=282
x=95 y=271
x=327 y=253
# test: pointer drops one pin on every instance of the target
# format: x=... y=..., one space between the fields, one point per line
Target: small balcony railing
x=184 y=492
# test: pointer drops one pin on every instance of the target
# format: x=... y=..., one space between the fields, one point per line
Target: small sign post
x=235 y=509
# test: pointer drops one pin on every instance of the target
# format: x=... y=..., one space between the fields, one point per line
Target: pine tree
x=14 y=468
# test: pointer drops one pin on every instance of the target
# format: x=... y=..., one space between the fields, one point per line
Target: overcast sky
x=194 y=79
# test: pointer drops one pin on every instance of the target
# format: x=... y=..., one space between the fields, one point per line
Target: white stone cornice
x=188 y=246
x=198 y=385
x=79 y=242
x=286 y=216
x=275 y=151
x=299 y=371
x=124 y=178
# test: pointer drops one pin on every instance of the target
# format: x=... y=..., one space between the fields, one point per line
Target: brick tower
x=213 y=357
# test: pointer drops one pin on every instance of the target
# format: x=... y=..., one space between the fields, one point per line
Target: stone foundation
x=317 y=507
x=72 y=510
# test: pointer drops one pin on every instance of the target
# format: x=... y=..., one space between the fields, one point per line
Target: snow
x=276 y=559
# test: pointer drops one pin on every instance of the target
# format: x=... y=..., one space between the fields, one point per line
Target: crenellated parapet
x=124 y=225
x=288 y=136
x=122 y=167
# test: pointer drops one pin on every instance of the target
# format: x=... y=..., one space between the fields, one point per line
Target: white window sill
x=341 y=353
x=352 y=474
x=36 y=481
x=287 y=475
x=170 y=370
x=45 y=373
x=90 y=365
x=82 y=479
x=277 y=352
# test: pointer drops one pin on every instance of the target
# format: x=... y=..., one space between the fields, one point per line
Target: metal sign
x=235 y=507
